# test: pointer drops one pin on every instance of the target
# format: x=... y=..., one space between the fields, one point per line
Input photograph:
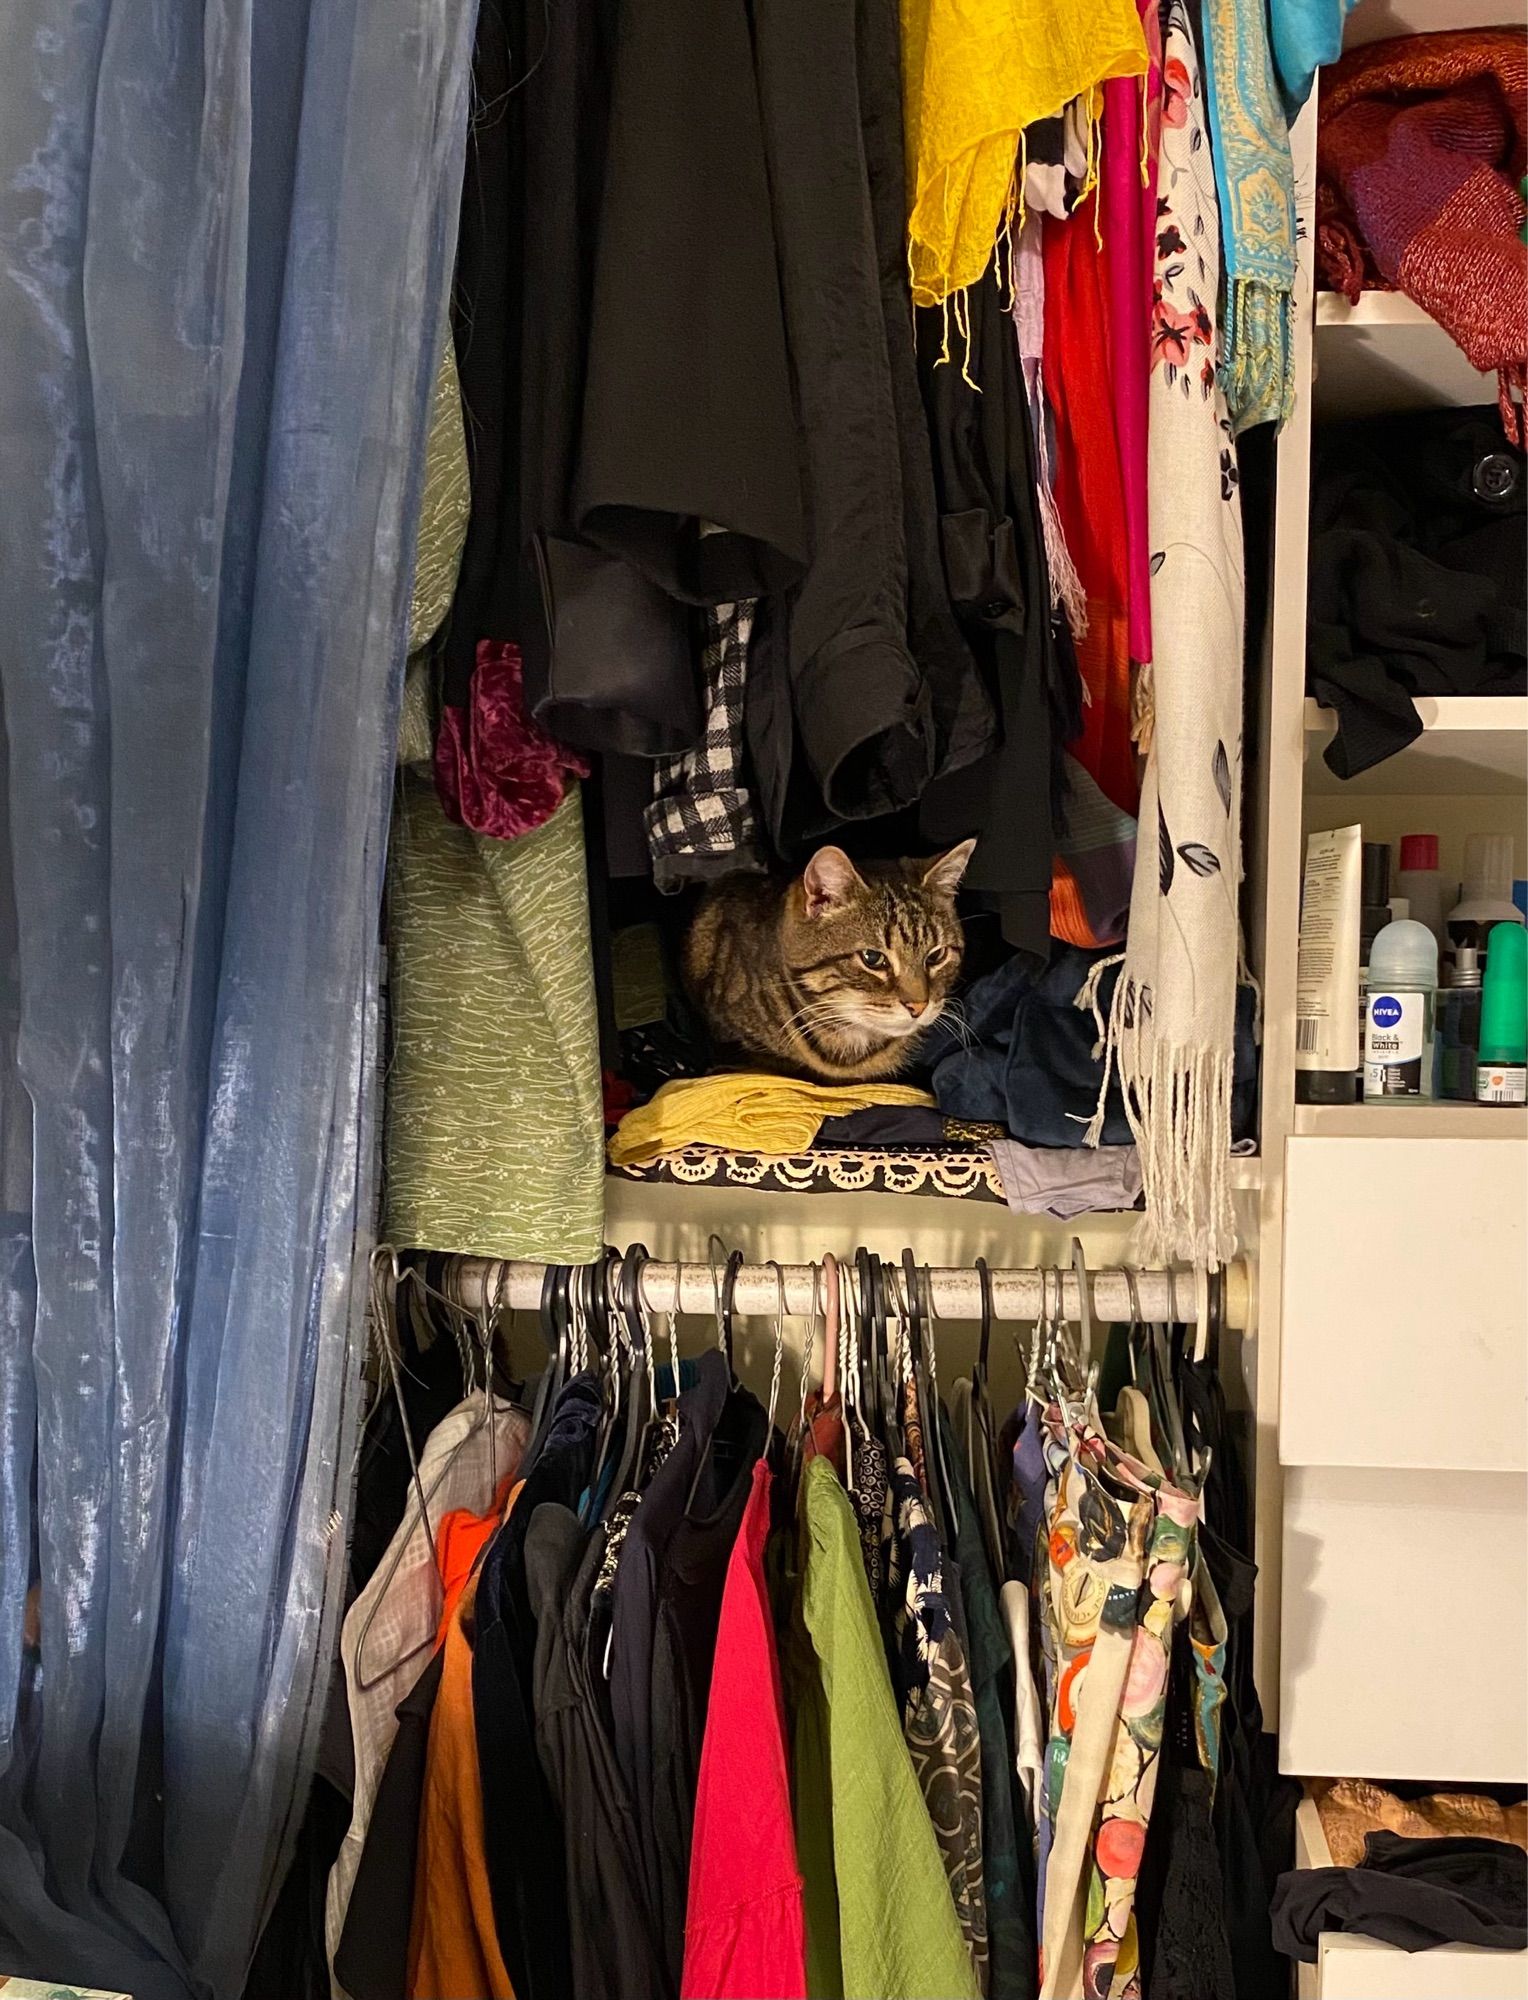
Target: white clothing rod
x=1016 y=1294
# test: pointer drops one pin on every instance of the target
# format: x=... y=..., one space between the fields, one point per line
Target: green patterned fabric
x=495 y=1131
x=443 y=507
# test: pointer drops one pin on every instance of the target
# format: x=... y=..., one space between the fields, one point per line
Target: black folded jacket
x=1411 y=1893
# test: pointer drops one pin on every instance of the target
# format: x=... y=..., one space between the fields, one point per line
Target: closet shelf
x=955 y=1176
x=1386 y=354
x=1372 y=309
x=949 y=1175
x=1470 y=744
x=1411 y=1121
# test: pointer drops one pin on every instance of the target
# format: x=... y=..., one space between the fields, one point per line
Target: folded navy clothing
x=914 y=1125
x=1410 y=1893
x=1032 y=1065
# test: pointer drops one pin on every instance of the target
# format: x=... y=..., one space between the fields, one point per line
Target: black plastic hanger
x=979 y=1369
x=621 y=1430
x=725 y=1318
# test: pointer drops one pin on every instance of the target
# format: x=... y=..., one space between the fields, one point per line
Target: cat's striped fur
x=836 y=975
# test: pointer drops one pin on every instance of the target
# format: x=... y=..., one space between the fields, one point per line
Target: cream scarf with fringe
x=1170 y=1026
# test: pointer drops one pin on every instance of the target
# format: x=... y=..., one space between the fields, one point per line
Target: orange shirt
x=453 y=1945
x=460 y=1540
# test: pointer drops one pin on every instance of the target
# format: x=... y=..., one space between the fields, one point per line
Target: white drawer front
x=1404 y=1633
x=1405 y=1315
x=1360 y=1968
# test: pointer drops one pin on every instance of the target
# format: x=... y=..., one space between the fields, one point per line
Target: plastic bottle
x=1459 y=1028
x=1373 y=915
x=1501 y=1076
x=1418 y=880
x=1486 y=899
x=1400 y=909
x=1403 y=985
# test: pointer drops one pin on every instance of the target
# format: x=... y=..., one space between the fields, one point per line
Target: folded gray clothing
x=1067 y=1180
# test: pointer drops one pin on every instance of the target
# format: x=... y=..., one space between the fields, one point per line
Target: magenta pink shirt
x=744 y=1934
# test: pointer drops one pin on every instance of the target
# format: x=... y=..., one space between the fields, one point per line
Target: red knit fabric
x=1422 y=147
x=744 y=1933
x=1090 y=498
x=496 y=769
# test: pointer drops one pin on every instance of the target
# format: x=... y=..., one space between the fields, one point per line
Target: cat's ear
x=830 y=880
x=942 y=876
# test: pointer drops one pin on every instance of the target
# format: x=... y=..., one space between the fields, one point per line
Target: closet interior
x=737 y=1513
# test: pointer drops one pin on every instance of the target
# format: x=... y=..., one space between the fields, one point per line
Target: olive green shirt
x=880 y=1919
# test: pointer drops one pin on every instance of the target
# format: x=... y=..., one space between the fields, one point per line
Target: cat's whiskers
x=955 y=1013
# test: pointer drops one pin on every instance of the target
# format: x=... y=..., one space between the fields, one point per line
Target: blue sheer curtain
x=225 y=233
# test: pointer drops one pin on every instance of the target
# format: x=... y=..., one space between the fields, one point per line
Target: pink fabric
x=496 y=769
x=1127 y=227
x=744 y=1934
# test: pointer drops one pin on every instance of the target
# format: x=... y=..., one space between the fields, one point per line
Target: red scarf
x=1421 y=152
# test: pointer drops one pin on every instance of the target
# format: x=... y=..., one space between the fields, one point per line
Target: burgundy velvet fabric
x=496 y=769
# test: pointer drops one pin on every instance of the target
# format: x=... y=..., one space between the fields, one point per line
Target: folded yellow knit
x=746 y=1112
x=974 y=74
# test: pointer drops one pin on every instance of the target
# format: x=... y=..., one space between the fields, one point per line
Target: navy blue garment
x=1007 y=1872
x=1032 y=1066
x=521 y=1837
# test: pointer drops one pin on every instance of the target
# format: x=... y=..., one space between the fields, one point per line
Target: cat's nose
x=915 y=1007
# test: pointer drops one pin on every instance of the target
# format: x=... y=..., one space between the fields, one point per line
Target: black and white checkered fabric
x=701 y=822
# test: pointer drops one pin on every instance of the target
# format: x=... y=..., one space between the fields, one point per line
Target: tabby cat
x=835 y=975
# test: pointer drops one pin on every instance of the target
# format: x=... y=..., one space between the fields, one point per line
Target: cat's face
x=876 y=952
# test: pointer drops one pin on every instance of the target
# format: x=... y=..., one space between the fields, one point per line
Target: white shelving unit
x=1390 y=1387
x=1471 y=745
x=1507 y=1123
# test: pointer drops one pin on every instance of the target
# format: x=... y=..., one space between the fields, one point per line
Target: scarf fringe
x=1143 y=708
x=1066 y=586
x=1257 y=345
x=1178 y=1103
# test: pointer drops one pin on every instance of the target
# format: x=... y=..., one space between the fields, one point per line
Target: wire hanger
x=384 y=1257
x=774 y=1379
x=923 y=1293
x=723 y=1283
x=828 y=1270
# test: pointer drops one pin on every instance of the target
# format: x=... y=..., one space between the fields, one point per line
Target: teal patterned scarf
x=1254 y=175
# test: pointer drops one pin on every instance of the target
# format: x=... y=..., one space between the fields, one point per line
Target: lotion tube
x=1326 y=1003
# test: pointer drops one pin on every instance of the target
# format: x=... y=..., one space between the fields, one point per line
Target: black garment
x=965 y=725
x=860 y=704
x=660 y=451
x=994 y=560
x=371 y=1960
x=1008 y=1873
x=653 y=1677
x=884 y=1125
x=687 y=462
x=692 y=1570
x=1180 y=1892
x=1253 y=1811
x=1411 y=1893
x=485 y=325
x=1416 y=573
x=290 y=1962
x=525 y=1869
x=432 y=1385
x=615 y=1953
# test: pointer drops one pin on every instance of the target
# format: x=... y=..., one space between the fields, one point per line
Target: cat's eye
x=875 y=960
x=937 y=956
